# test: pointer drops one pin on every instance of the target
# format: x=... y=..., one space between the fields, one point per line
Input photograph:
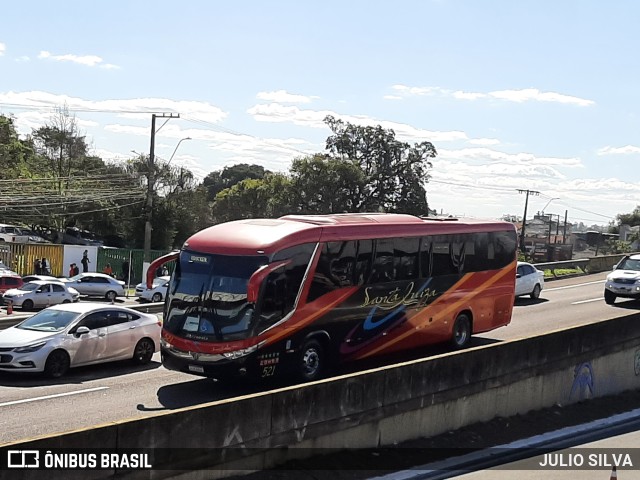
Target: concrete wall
x=603 y=263
x=378 y=407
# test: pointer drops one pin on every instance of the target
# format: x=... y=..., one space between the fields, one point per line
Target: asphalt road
x=32 y=406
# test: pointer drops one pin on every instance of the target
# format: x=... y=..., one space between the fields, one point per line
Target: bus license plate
x=196 y=368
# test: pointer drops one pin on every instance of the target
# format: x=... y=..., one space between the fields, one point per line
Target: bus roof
x=265 y=236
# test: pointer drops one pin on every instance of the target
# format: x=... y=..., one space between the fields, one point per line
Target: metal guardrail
x=7 y=321
x=581 y=264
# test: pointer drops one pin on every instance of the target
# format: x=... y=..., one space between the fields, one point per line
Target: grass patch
x=560 y=272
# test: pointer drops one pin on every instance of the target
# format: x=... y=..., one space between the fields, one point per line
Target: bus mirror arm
x=158 y=262
x=253 y=286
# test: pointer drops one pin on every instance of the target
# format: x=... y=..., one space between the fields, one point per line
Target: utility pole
x=564 y=231
x=524 y=218
x=151 y=183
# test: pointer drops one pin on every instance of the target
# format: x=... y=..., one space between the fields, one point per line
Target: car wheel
x=609 y=297
x=461 y=331
x=66 y=300
x=311 y=361
x=157 y=297
x=144 y=351
x=536 y=292
x=111 y=295
x=57 y=364
x=27 y=305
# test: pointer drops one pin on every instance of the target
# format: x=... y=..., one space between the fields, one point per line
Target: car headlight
x=30 y=348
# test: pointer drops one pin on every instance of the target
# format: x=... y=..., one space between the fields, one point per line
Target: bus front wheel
x=311 y=361
x=461 y=331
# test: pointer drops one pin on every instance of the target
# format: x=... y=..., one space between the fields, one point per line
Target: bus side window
x=282 y=286
x=406 y=257
x=335 y=269
x=363 y=261
x=504 y=247
x=383 y=268
x=426 y=257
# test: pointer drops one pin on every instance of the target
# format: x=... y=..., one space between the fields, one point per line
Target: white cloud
x=534 y=94
x=275 y=112
x=3 y=48
x=87 y=60
x=142 y=106
x=282 y=96
x=23 y=59
x=393 y=97
x=515 y=95
x=629 y=149
x=484 y=141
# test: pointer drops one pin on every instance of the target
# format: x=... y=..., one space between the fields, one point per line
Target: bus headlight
x=240 y=353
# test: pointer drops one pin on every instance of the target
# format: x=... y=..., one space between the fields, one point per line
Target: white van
x=12 y=234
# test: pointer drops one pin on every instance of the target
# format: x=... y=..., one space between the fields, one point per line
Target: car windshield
x=207 y=297
x=29 y=287
x=629 y=264
x=49 y=321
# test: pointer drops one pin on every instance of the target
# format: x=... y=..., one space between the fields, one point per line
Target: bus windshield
x=207 y=297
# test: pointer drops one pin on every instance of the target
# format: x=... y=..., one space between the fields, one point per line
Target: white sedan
x=40 y=294
x=65 y=336
x=529 y=280
x=96 y=285
x=157 y=292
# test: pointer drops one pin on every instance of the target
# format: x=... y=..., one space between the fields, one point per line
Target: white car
x=96 y=285
x=31 y=278
x=41 y=294
x=529 y=280
x=156 y=293
x=624 y=281
x=65 y=336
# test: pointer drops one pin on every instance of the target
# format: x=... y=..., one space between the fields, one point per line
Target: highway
x=31 y=405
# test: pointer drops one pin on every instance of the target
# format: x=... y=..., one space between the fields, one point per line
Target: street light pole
x=151 y=180
x=524 y=218
x=176 y=149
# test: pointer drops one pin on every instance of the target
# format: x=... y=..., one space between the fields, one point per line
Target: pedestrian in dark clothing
x=76 y=270
x=45 y=267
x=85 y=261
x=37 y=267
x=125 y=270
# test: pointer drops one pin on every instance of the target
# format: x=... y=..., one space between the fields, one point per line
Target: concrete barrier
x=603 y=263
x=373 y=408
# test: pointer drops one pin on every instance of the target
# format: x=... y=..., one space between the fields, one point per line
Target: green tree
x=218 y=180
x=321 y=184
x=254 y=198
x=15 y=154
x=632 y=219
x=395 y=171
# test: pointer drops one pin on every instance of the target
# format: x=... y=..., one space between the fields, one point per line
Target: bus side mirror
x=253 y=286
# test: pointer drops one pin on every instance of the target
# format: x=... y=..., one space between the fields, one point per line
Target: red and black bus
x=303 y=293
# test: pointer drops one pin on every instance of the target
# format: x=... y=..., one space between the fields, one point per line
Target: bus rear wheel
x=461 y=331
x=311 y=361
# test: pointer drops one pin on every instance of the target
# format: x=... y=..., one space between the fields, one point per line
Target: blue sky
x=540 y=95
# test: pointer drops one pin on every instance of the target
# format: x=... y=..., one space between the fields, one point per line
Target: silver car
x=624 y=281
x=40 y=294
x=64 y=336
x=156 y=293
x=96 y=285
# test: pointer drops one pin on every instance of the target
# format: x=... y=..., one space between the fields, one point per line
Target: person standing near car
x=108 y=270
x=85 y=261
x=76 y=270
x=37 y=267
x=44 y=267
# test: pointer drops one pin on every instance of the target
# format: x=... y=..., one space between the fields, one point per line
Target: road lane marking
x=587 y=301
x=47 y=397
x=574 y=286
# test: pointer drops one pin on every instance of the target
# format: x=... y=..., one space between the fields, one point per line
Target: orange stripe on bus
x=454 y=306
x=306 y=320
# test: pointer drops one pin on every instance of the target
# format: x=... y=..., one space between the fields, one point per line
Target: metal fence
x=21 y=258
